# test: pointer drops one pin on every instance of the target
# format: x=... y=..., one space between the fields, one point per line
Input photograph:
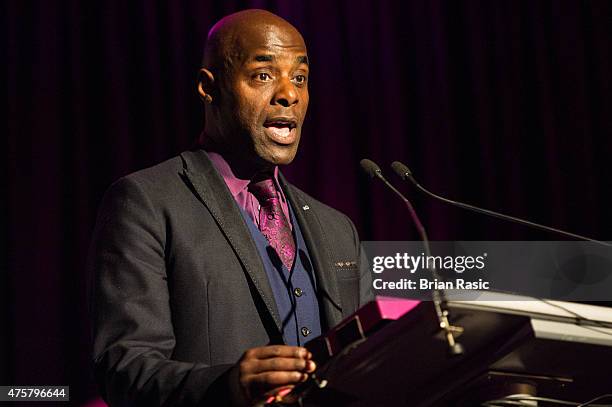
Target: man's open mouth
x=281 y=130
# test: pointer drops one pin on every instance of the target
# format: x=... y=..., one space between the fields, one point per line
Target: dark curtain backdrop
x=504 y=104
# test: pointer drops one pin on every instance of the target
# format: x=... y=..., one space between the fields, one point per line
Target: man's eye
x=263 y=76
x=300 y=78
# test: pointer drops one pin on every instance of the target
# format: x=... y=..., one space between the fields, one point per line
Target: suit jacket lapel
x=329 y=295
x=212 y=191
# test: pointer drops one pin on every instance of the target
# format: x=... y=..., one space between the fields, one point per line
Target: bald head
x=254 y=83
x=233 y=34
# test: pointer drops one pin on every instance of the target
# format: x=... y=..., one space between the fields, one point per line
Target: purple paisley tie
x=272 y=221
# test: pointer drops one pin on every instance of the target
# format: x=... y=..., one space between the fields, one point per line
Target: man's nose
x=286 y=94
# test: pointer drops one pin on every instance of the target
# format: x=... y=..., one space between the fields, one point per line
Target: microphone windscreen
x=401 y=170
x=369 y=167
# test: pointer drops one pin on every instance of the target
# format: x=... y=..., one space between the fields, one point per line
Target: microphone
x=455 y=348
x=404 y=172
x=374 y=171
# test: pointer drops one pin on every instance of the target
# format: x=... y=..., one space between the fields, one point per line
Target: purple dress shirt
x=239 y=189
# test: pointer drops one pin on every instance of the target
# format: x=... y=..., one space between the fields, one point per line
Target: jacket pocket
x=346 y=270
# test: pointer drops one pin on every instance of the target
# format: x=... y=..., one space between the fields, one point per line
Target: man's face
x=264 y=96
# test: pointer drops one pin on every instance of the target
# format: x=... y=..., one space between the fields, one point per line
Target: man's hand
x=263 y=371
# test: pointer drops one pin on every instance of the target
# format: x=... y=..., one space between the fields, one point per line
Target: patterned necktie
x=272 y=221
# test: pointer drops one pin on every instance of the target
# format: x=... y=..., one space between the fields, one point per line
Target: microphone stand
x=438 y=296
x=404 y=173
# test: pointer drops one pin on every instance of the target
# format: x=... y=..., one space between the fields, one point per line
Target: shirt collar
x=237 y=185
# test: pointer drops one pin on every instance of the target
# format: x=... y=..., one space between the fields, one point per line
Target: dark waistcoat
x=295 y=290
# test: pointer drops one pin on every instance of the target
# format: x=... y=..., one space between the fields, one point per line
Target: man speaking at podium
x=211 y=270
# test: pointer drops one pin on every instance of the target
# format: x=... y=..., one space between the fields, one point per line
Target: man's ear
x=206 y=85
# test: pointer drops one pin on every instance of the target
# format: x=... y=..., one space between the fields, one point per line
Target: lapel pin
x=305 y=207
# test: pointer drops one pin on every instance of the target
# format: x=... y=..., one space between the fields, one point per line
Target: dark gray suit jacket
x=180 y=291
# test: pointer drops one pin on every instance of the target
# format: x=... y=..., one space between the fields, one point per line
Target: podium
x=513 y=346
